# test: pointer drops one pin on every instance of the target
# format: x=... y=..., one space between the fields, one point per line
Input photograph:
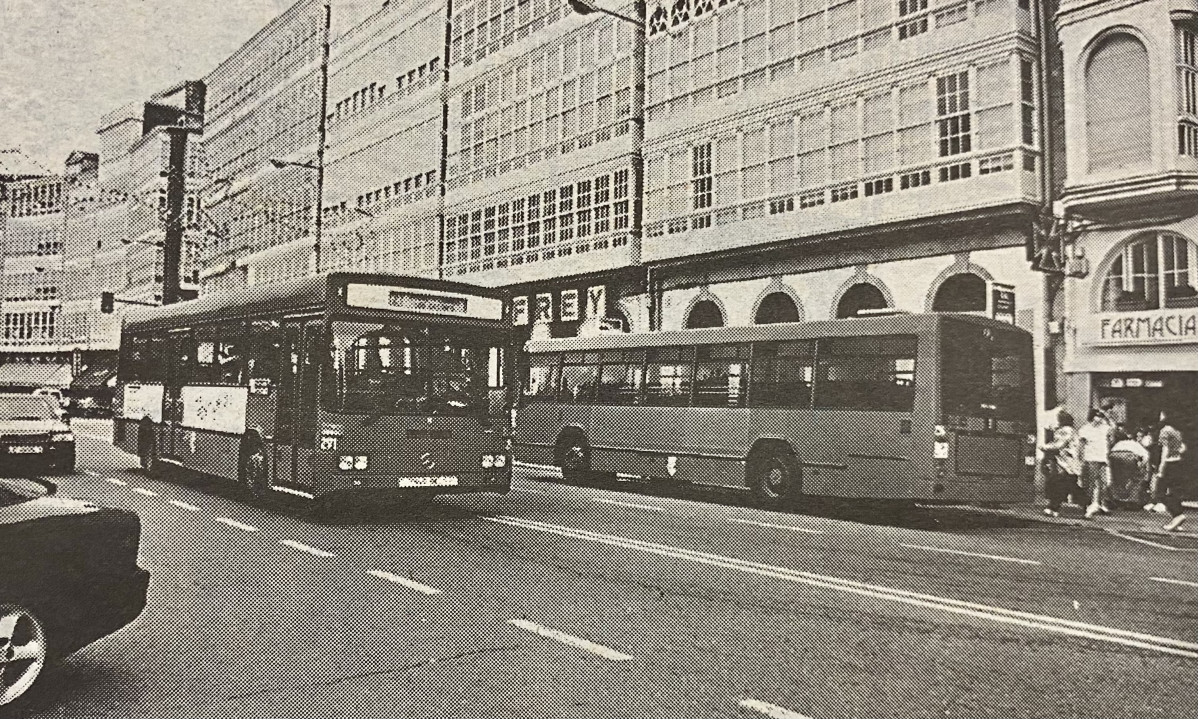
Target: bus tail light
x=500 y=461
x=487 y=461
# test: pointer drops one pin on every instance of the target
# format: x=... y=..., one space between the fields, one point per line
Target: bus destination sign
x=433 y=302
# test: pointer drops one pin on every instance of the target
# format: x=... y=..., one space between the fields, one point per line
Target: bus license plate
x=428 y=481
x=25 y=450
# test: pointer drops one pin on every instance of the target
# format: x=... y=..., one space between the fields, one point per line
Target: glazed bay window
x=952 y=112
x=1187 y=91
x=1154 y=272
x=701 y=184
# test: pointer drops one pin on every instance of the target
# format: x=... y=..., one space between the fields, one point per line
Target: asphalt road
x=568 y=601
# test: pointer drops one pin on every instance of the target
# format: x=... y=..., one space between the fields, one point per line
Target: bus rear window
x=986 y=373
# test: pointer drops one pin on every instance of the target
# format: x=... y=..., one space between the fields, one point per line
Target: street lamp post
x=587 y=7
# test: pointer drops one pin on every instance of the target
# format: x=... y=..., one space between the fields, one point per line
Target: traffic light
x=107 y=300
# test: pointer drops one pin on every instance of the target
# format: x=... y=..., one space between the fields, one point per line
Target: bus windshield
x=407 y=368
x=987 y=373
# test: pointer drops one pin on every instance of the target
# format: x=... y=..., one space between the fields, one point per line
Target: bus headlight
x=488 y=461
x=361 y=461
x=347 y=462
x=500 y=461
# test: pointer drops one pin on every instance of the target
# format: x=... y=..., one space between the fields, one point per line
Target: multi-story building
x=723 y=162
x=1130 y=331
x=31 y=276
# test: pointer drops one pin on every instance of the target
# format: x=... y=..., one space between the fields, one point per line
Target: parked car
x=35 y=435
x=68 y=576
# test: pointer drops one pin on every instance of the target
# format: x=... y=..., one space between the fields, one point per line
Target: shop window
x=1118 y=108
x=1152 y=272
x=965 y=292
x=861 y=296
x=705 y=313
x=777 y=307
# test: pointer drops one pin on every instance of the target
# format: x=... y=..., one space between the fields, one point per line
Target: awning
x=93 y=377
x=25 y=375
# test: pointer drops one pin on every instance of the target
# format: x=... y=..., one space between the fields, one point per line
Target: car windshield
x=33 y=408
x=407 y=368
x=14 y=490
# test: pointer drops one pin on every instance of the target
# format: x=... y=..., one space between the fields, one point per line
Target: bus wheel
x=574 y=457
x=255 y=471
x=773 y=475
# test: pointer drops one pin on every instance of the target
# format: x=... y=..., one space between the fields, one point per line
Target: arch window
x=1118 y=117
x=705 y=313
x=965 y=292
x=862 y=296
x=777 y=307
x=1153 y=272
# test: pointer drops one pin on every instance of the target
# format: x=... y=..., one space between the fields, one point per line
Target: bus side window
x=262 y=344
x=541 y=383
x=867 y=373
x=621 y=377
x=668 y=376
x=230 y=346
x=782 y=373
x=181 y=357
x=721 y=375
x=580 y=374
x=206 y=370
x=132 y=365
x=155 y=361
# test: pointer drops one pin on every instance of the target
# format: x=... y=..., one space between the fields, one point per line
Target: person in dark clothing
x=1064 y=464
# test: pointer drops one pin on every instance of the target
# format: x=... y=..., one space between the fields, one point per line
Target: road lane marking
x=771 y=710
x=423 y=588
x=1174 y=581
x=235 y=523
x=572 y=641
x=185 y=505
x=144 y=492
x=296 y=492
x=776 y=526
x=999 y=557
x=91 y=473
x=305 y=548
x=117 y=482
x=534 y=465
x=649 y=507
x=1166 y=645
x=1158 y=545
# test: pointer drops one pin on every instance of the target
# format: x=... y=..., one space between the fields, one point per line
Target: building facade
x=1130 y=333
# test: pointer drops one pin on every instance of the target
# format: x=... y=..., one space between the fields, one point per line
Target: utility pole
x=172 y=249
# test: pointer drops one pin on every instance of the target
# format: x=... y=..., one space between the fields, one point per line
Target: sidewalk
x=1119 y=520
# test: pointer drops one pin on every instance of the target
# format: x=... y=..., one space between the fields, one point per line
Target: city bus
x=924 y=407
x=332 y=384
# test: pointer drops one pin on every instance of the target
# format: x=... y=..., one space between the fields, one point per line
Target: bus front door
x=295 y=427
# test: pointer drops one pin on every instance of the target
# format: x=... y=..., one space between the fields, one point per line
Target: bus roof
x=297 y=295
x=853 y=326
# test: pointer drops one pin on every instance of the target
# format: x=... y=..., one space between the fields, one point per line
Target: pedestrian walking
x=1170 y=479
x=1062 y=464
x=1094 y=445
x=1153 y=501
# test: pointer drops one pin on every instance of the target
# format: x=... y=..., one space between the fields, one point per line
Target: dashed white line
x=1174 y=581
x=404 y=581
x=144 y=492
x=998 y=557
x=296 y=492
x=570 y=640
x=117 y=482
x=305 y=548
x=776 y=526
x=236 y=524
x=185 y=505
x=771 y=710
x=649 y=507
x=91 y=473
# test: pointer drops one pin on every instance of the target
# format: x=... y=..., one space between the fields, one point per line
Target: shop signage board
x=568 y=305
x=1149 y=327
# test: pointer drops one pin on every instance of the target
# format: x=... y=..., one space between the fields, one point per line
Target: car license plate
x=25 y=449
x=428 y=481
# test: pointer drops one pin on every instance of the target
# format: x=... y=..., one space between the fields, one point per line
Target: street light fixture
x=584 y=7
x=280 y=163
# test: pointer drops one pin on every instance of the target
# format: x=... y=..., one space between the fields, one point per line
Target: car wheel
x=24 y=652
x=773 y=476
x=255 y=470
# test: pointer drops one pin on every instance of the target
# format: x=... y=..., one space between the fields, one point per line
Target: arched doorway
x=965 y=292
x=705 y=313
x=777 y=307
x=862 y=296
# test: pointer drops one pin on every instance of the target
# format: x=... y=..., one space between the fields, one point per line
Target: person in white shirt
x=1094 y=443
